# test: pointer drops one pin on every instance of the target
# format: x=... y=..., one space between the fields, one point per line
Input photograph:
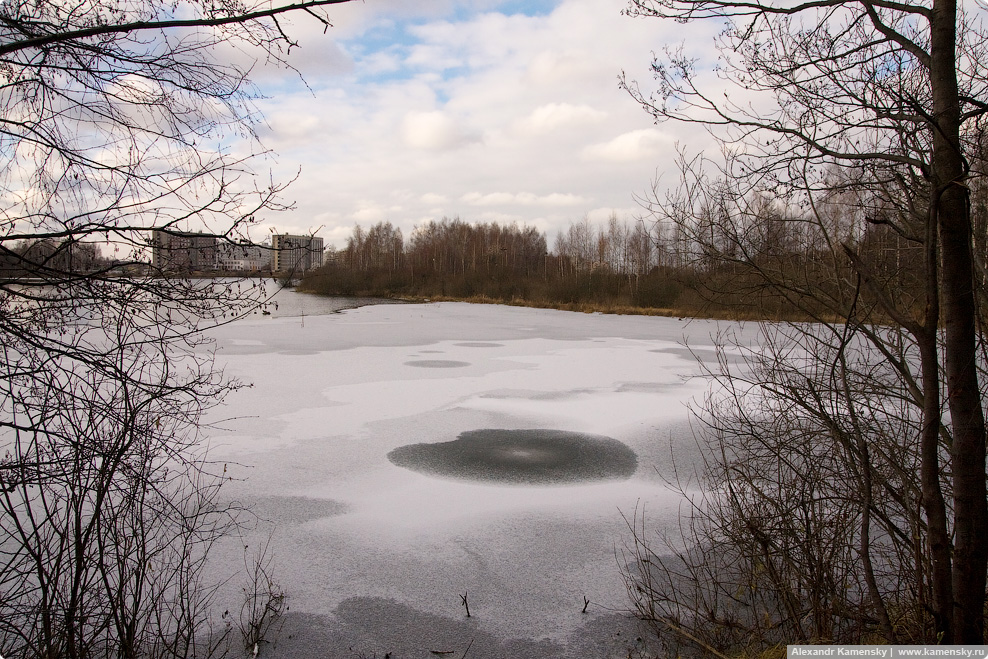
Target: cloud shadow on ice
x=532 y=457
x=643 y=387
x=704 y=354
x=294 y=510
x=437 y=363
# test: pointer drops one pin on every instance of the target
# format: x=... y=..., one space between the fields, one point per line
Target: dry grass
x=734 y=313
x=583 y=307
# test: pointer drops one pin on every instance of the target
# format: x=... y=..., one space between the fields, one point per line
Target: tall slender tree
x=892 y=89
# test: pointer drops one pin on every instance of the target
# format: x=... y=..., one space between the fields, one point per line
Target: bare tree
x=113 y=122
x=814 y=523
x=893 y=90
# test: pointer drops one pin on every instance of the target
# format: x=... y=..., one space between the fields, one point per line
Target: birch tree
x=893 y=91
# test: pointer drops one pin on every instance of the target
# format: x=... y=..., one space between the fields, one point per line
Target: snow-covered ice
x=375 y=556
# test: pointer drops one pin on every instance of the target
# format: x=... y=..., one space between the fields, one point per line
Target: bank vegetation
x=642 y=266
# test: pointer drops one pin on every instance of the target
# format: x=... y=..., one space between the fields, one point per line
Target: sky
x=506 y=111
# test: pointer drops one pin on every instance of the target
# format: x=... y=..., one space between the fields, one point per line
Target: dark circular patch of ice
x=537 y=456
x=437 y=363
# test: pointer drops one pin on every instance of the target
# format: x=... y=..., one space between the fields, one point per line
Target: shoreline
x=576 y=307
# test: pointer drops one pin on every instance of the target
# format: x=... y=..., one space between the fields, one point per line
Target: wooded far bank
x=623 y=267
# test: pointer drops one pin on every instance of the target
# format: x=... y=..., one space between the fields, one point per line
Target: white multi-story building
x=296 y=254
x=243 y=257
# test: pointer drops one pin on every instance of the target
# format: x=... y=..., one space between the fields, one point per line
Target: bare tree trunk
x=932 y=493
x=951 y=203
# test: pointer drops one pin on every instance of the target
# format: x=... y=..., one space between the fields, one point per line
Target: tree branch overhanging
x=43 y=40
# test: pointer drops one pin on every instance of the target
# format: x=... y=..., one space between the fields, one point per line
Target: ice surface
x=334 y=394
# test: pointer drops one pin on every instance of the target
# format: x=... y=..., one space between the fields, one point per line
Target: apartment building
x=243 y=257
x=183 y=251
x=292 y=253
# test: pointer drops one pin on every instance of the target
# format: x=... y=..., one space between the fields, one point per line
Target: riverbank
x=733 y=314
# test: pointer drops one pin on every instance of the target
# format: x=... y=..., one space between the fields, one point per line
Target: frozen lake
x=391 y=449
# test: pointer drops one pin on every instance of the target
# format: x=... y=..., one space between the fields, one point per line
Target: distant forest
x=615 y=265
x=628 y=267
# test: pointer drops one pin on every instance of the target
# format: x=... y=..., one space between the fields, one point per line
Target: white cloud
x=489 y=199
x=381 y=62
x=336 y=234
x=555 y=116
x=434 y=131
x=432 y=57
x=433 y=199
x=466 y=111
x=293 y=126
x=521 y=199
x=551 y=66
x=557 y=199
x=643 y=144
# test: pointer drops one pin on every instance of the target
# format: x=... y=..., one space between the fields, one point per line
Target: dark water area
x=532 y=457
x=287 y=302
x=374 y=627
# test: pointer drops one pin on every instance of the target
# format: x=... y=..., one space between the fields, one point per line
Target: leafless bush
x=805 y=522
x=264 y=603
x=112 y=119
x=852 y=139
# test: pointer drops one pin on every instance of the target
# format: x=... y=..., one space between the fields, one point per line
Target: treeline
x=50 y=258
x=705 y=268
x=617 y=265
